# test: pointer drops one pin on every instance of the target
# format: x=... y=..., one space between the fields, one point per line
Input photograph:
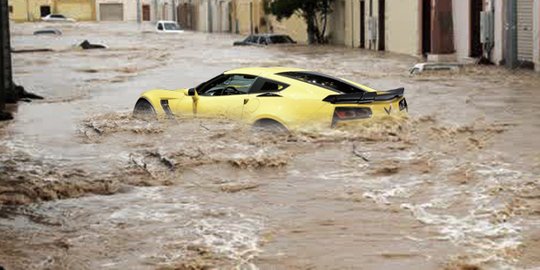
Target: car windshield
x=281 y=39
x=324 y=81
x=171 y=26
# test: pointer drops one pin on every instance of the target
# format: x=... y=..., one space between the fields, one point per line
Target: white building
x=126 y=10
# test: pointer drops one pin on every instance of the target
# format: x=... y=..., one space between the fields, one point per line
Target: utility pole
x=6 y=80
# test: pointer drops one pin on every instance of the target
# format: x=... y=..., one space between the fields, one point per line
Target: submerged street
x=83 y=185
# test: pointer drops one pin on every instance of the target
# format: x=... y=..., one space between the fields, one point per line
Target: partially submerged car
x=48 y=31
x=265 y=39
x=168 y=27
x=275 y=98
x=57 y=18
x=86 y=45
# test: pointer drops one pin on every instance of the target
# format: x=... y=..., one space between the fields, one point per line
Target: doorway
x=146 y=12
x=44 y=10
x=426 y=27
x=382 y=25
x=362 y=24
x=475 y=42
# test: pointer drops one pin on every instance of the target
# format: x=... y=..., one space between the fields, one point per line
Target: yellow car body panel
x=299 y=105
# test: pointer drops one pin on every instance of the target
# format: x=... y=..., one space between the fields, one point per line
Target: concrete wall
x=402 y=26
x=497 y=55
x=81 y=10
x=295 y=27
x=462 y=30
x=338 y=23
x=130 y=8
x=29 y=10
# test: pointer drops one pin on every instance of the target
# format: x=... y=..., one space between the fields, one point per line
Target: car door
x=263 y=98
x=221 y=97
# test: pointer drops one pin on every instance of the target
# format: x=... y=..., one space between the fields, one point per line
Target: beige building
x=34 y=10
x=377 y=24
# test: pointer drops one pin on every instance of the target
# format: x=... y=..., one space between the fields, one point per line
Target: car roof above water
x=262 y=70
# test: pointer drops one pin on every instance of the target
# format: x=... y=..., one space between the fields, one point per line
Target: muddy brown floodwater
x=85 y=186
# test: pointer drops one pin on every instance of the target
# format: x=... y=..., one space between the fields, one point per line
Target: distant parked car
x=265 y=39
x=57 y=18
x=168 y=27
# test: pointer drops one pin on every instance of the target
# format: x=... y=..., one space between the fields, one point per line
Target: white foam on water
x=485 y=238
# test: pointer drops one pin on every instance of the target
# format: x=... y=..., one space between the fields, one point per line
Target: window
x=267 y=86
x=160 y=27
x=225 y=85
x=324 y=81
x=10 y=9
x=171 y=26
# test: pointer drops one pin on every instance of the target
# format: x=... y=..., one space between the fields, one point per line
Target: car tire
x=271 y=126
x=144 y=110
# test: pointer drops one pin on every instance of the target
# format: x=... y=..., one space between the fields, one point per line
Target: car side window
x=267 y=86
x=227 y=85
x=160 y=27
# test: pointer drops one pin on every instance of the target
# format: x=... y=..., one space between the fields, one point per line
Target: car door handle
x=246 y=100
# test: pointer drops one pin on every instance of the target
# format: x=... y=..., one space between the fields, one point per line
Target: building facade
x=34 y=10
x=499 y=31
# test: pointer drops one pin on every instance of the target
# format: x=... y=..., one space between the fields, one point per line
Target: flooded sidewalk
x=83 y=185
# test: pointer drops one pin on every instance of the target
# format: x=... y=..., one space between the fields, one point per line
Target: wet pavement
x=84 y=186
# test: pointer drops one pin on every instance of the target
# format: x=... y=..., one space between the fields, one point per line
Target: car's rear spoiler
x=365 y=97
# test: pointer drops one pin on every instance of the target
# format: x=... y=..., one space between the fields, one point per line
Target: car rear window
x=324 y=81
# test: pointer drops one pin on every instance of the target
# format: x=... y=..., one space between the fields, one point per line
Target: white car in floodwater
x=57 y=18
x=168 y=27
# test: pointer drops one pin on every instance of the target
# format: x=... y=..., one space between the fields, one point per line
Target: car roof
x=269 y=35
x=166 y=22
x=266 y=71
x=259 y=71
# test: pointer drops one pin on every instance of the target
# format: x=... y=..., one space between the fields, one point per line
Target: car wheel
x=144 y=110
x=268 y=125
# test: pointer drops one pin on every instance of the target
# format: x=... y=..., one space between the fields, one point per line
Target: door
x=362 y=24
x=223 y=96
x=44 y=10
x=146 y=13
x=382 y=25
x=525 y=31
x=265 y=92
x=426 y=27
x=475 y=45
x=111 y=12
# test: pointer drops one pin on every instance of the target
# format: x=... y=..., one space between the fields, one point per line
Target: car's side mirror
x=191 y=92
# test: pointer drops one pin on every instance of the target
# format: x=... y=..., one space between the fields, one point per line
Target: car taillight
x=403 y=105
x=343 y=113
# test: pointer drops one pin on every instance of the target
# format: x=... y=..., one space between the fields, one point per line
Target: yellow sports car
x=275 y=98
